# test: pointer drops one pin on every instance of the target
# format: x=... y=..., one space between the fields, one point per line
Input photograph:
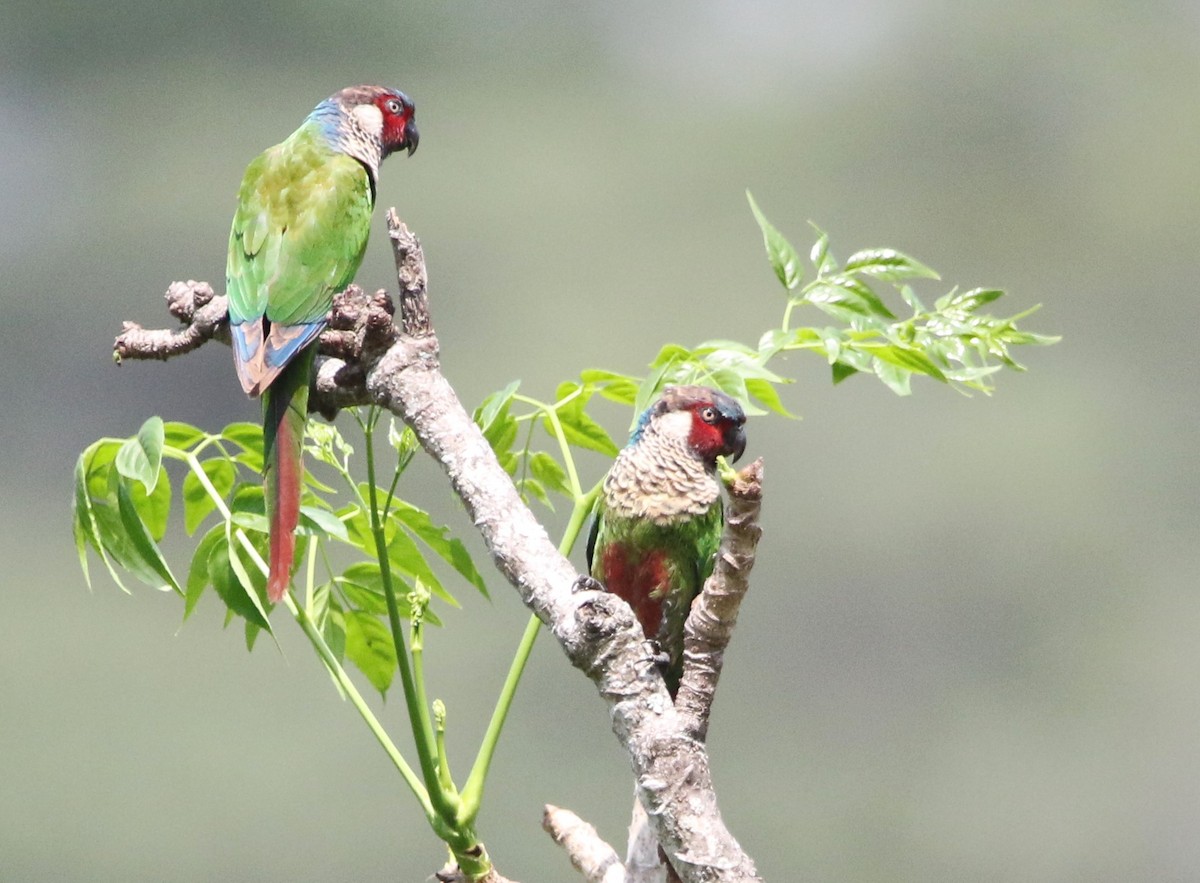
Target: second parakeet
x=660 y=516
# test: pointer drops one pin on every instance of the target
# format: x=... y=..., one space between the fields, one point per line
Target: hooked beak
x=735 y=442
x=411 y=136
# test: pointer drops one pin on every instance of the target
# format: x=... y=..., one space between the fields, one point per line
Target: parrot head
x=712 y=423
x=399 y=123
x=368 y=123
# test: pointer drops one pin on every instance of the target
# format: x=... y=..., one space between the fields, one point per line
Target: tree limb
x=597 y=630
x=714 y=613
x=589 y=854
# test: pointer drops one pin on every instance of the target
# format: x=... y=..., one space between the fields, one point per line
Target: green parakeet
x=298 y=237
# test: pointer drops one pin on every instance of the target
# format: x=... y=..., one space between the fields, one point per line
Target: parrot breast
x=641 y=580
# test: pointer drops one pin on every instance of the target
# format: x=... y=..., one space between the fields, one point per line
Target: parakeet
x=660 y=518
x=298 y=237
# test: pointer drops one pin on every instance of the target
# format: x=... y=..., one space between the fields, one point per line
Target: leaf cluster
x=953 y=341
x=123 y=500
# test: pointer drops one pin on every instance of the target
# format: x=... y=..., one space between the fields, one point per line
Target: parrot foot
x=660 y=658
x=586 y=584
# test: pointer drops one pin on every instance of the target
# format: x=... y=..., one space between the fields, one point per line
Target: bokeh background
x=970 y=652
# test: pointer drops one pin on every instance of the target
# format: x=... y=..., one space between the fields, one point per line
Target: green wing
x=298 y=237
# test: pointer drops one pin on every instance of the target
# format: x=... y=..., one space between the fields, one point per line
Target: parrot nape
x=298 y=237
x=659 y=519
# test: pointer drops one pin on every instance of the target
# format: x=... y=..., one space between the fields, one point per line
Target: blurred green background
x=970 y=652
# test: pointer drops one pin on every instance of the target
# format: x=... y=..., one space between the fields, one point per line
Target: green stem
x=439 y=727
x=564 y=447
x=356 y=699
x=318 y=641
x=472 y=792
x=418 y=712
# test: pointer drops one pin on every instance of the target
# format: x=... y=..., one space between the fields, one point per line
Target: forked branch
x=366 y=358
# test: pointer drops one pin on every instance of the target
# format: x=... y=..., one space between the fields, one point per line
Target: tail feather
x=285 y=410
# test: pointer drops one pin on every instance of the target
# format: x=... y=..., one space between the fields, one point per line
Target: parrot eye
x=393 y=106
x=709 y=415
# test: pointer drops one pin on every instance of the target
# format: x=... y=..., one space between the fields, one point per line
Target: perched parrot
x=298 y=237
x=659 y=519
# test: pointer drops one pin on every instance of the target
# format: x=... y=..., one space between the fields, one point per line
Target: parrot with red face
x=660 y=516
x=298 y=237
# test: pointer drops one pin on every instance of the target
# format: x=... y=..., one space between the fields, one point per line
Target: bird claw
x=586 y=584
x=660 y=658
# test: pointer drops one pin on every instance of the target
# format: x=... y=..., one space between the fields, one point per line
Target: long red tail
x=285 y=410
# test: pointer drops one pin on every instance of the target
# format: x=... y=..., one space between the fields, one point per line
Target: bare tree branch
x=205 y=314
x=714 y=613
x=597 y=630
x=589 y=854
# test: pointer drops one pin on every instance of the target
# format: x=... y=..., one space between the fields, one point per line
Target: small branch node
x=589 y=853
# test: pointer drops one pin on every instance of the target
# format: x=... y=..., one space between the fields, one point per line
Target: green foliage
x=123 y=499
x=953 y=342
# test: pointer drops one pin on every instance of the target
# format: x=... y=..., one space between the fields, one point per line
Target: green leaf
x=369 y=646
x=899 y=380
x=315 y=521
x=405 y=557
x=972 y=300
x=197 y=502
x=248 y=508
x=784 y=260
x=362 y=584
x=819 y=255
x=358 y=529
x=404 y=441
x=226 y=574
x=198 y=573
x=247 y=436
x=182 y=436
x=546 y=470
x=849 y=292
x=96 y=516
x=532 y=489
x=910 y=298
x=889 y=265
x=908 y=359
x=499 y=427
x=619 y=388
x=578 y=427
x=440 y=541
x=252 y=633
x=333 y=630
x=325 y=444
x=403 y=553
x=841 y=371
x=141 y=456
x=495 y=405
x=773 y=342
x=763 y=391
x=143 y=552
x=84 y=527
x=670 y=353
x=668 y=358
x=155 y=506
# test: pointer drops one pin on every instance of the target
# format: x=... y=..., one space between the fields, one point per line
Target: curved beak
x=411 y=136
x=735 y=442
